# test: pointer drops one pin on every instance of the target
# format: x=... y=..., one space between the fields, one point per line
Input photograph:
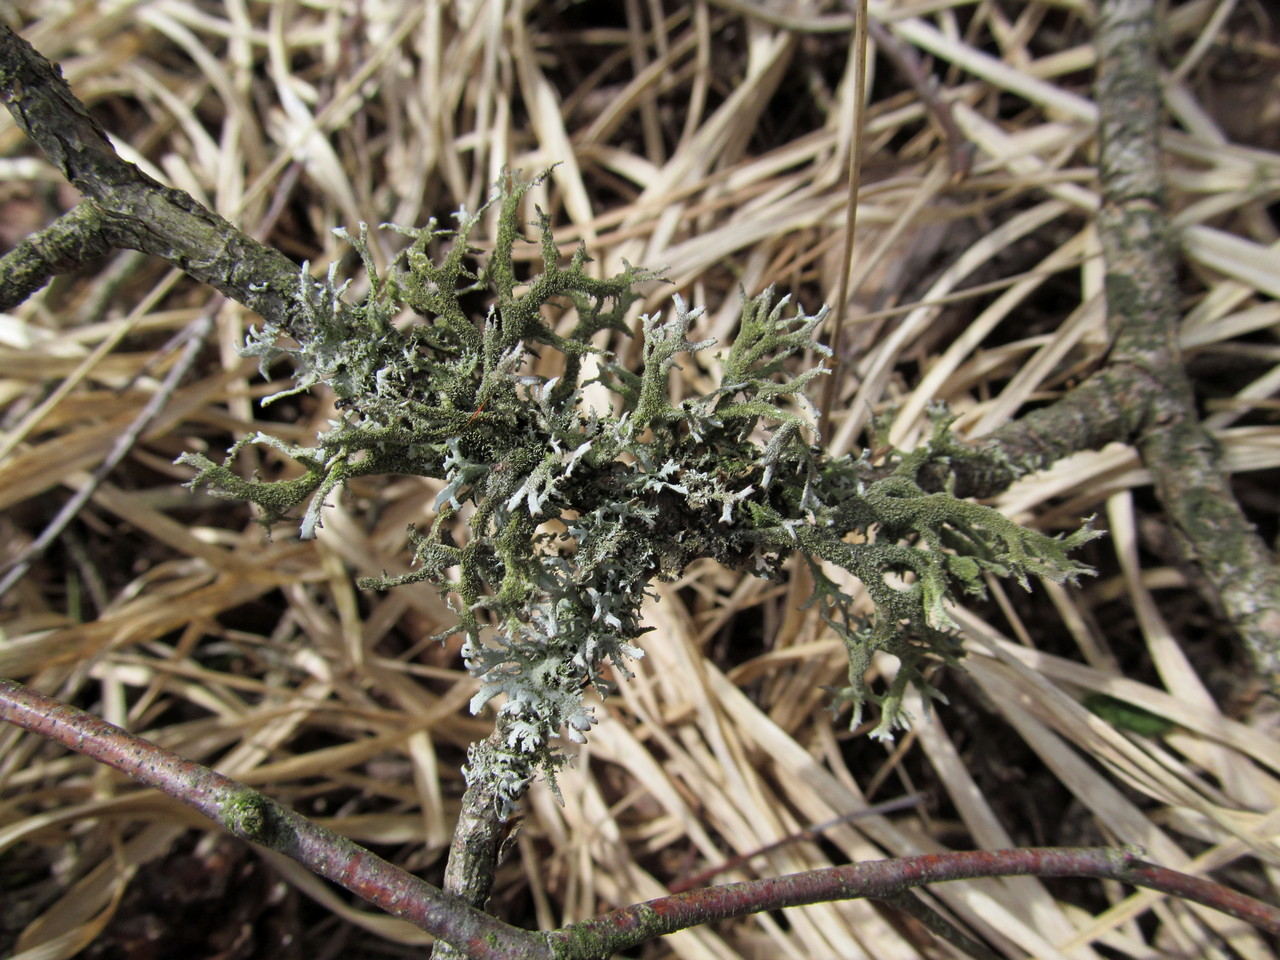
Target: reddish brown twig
x=253 y=816
x=885 y=879
x=704 y=877
x=960 y=150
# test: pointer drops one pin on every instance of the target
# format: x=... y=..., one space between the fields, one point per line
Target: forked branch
x=252 y=816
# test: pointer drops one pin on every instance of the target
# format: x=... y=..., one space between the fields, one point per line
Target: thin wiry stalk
x=854 y=183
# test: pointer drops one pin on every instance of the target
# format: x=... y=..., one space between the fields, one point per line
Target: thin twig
x=253 y=816
x=704 y=877
x=134 y=211
x=937 y=924
x=959 y=150
x=196 y=336
x=885 y=879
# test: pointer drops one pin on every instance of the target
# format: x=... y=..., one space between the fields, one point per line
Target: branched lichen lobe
x=572 y=512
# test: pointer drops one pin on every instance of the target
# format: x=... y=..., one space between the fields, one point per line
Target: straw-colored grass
x=715 y=141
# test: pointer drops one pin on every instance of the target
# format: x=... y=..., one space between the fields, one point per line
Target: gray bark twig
x=1143 y=298
x=125 y=208
x=66 y=244
x=473 y=853
x=1142 y=395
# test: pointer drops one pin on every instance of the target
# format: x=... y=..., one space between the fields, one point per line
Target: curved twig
x=885 y=880
x=251 y=815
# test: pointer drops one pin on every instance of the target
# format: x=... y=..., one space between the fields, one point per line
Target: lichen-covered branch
x=1142 y=394
x=576 y=510
x=554 y=517
x=1105 y=408
x=63 y=246
x=128 y=209
x=1142 y=297
x=475 y=846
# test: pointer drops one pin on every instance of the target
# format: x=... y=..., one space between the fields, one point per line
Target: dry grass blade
x=713 y=137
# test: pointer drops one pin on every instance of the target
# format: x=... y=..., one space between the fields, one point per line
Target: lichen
x=571 y=512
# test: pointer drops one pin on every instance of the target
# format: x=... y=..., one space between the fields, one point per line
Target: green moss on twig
x=250 y=815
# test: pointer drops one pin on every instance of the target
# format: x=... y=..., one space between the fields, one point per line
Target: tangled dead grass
x=712 y=137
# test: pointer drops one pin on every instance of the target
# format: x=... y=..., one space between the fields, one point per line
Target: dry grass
x=698 y=136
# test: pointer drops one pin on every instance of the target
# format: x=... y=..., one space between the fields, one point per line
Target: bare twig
x=808 y=833
x=253 y=816
x=942 y=928
x=196 y=336
x=959 y=149
x=885 y=879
